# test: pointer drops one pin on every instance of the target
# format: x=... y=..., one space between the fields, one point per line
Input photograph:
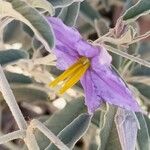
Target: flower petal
x=103 y=58
x=65 y=35
x=92 y=100
x=64 y=60
x=66 y=39
x=112 y=89
x=86 y=49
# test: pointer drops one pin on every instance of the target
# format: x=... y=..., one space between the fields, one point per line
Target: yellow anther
x=65 y=74
x=72 y=75
x=74 y=79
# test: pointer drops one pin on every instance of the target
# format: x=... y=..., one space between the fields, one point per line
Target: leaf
x=11 y=55
x=17 y=78
x=143 y=139
x=93 y=146
x=96 y=118
x=143 y=88
x=73 y=132
x=69 y=14
x=44 y=4
x=24 y=93
x=30 y=94
x=141 y=71
x=88 y=13
x=58 y=121
x=21 y=11
x=116 y=60
x=127 y=127
x=109 y=139
x=12 y=31
x=142 y=7
x=62 y=3
x=147 y=119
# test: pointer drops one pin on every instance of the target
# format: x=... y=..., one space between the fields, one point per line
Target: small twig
x=37 y=124
x=30 y=139
x=10 y=100
x=128 y=56
x=12 y=136
x=101 y=38
x=139 y=38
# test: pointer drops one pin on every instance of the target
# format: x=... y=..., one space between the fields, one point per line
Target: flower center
x=72 y=75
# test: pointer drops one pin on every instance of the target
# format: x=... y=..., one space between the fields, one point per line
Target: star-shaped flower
x=92 y=66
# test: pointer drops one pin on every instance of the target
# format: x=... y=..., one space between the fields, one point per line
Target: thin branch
x=30 y=139
x=49 y=134
x=128 y=56
x=10 y=100
x=139 y=38
x=12 y=136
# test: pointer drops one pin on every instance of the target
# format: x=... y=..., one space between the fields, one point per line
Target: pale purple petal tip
x=92 y=100
x=112 y=89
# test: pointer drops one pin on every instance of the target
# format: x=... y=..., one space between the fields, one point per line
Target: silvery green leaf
x=11 y=55
x=44 y=4
x=89 y=13
x=24 y=93
x=127 y=128
x=96 y=118
x=21 y=11
x=147 y=119
x=29 y=94
x=141 y=71
x=143 y=138
x=73 y=132
x=58 y=121
x=17 y=78
x=12 y=31
x=62 y=3
x=142 y=7
x=144 y=89
x=69 y=14
x=109 y=139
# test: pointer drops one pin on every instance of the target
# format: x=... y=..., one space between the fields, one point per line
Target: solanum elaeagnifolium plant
x=74 y=74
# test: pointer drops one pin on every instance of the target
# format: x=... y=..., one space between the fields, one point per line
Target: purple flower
x=92 y=66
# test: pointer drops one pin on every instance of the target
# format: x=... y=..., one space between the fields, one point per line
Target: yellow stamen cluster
x=72 y=75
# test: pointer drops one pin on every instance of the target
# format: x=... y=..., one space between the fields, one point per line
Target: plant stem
x=10 y=100
x=12 y=136
x=30 y=139
x=128 y=56
x=139 y=38
x=49 y=134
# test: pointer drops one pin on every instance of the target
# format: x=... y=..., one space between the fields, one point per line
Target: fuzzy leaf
x=147 y=119
x=27 y=94
x=12 y=31
x=21 y=11
x=69 y=14
x=61 y=119
x=143 y=88
x=127 y=127
x=89 y=13
x=142 y=7
x=143 y=139
x=108 y=133
x=17 y=78
x=12 y=55
x=44 y=4
x=73 y=132
x=141 y=71
x=62 y=3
